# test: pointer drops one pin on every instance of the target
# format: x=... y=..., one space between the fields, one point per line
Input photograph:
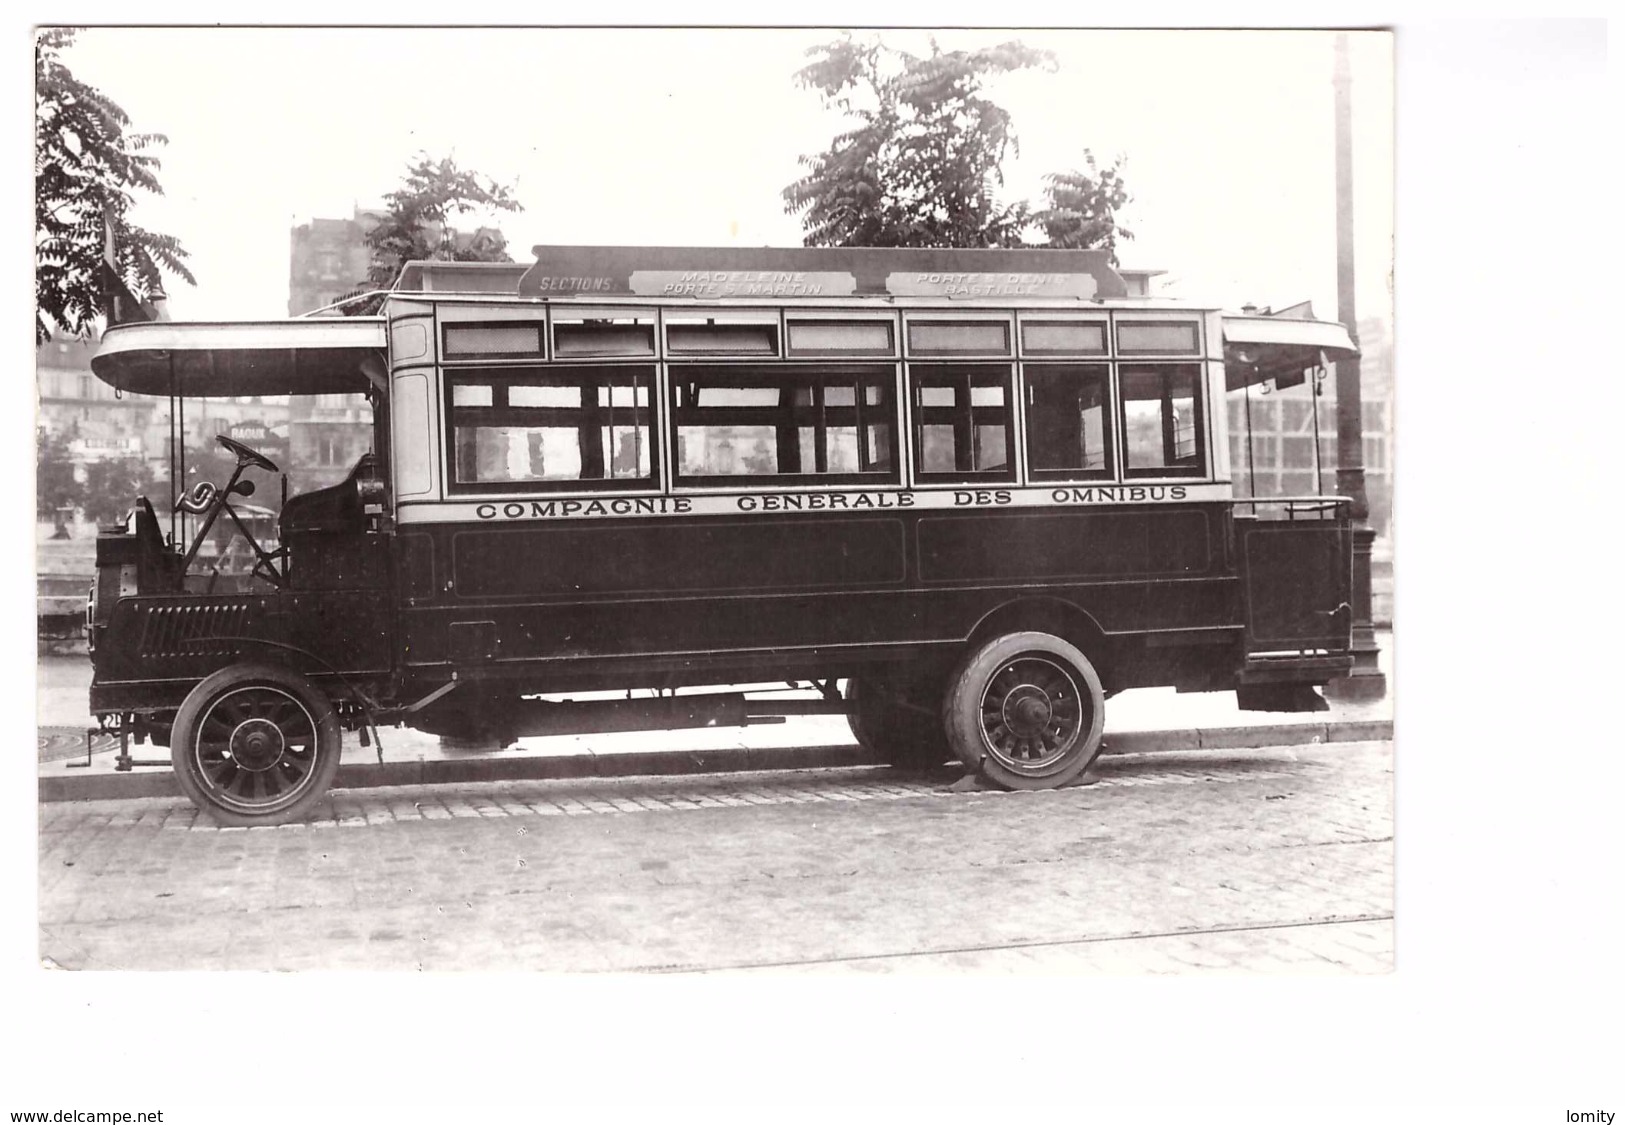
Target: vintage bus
x=983 y=490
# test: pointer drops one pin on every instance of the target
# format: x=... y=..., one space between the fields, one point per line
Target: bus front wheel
x=255 y=744
x=1026 y=710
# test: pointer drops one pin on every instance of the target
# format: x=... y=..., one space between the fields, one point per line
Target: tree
x=86 y=169
x=417 y=224
x=1082 y=208
x=921 y=164
x=112 y=485
x=55 y=486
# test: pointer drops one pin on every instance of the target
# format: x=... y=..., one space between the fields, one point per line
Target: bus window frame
x=1046 y=355
x=1203 y=436
x=572 y=314
x=953 y=316
x=842 y=316
x=468 y=314
x=725 y=315
x=1010 y=474
x=884 y=371
x=1111 y=432
x=650 y=485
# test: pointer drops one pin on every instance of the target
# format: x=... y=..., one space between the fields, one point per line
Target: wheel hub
x=257 y=744
x=1028 y=710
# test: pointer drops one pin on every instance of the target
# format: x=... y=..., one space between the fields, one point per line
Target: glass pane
x=723 y=339
x=937 y=449
x=519 y=453
x=1162 y=417
x=962 y=417
x=842 y=449
x=503 y=339
x=825 y=337
x=520 y=395
x=987 y=338
x=586 y=424
x=623 y=396
x=991 y=452
x=1154 y=338
x=1066 y=418
x=724 y=451
x=603 y=338
x=759 y=421
x=879 y=447
x=1064 y=338
x=739 y=396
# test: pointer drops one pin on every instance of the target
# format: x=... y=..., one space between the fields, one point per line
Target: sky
x=687 y=137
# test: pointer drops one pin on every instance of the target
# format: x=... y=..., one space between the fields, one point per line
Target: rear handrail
x=1297 y=505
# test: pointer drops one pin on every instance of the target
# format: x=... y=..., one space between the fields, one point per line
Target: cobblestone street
x=1275 y=860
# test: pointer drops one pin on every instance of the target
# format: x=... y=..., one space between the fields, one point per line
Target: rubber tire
x=900 y=736
x=962 y=710
x=237 y=676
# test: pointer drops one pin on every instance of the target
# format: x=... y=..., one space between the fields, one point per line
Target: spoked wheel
x=901 y=729
x=1027 y=711
x=255 y=744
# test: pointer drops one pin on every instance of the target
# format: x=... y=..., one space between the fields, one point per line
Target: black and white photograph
x=848 y=507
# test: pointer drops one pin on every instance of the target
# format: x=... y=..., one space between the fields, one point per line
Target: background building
x=327 y=434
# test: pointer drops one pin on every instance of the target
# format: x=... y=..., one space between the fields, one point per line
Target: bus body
x=987 y=489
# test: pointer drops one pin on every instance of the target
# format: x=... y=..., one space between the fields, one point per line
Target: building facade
x=327 y=434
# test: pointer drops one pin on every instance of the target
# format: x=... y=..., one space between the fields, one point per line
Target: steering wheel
x=245 y=455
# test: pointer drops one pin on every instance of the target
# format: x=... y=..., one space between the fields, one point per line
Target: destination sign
x=771 y=503
x=917 y=284
x=742 y=283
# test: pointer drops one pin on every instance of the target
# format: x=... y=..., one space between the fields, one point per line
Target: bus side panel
x=678 y=557
x=622 y=591
x=1070 y=544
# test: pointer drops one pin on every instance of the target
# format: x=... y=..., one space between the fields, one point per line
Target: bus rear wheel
x=255 y=744
x=1026 y=711
x=898 y=727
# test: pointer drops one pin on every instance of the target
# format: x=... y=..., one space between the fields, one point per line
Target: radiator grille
x=194 y=630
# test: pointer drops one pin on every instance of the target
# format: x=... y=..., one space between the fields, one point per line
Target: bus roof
x=1258 y=348
x=316 y=355
x=709 y=272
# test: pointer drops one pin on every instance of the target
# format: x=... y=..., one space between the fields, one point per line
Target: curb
x=365 y=775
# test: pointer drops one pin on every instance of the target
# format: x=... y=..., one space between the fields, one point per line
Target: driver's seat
x=338 y=507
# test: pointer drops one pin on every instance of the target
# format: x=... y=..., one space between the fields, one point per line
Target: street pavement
x=1267 y=860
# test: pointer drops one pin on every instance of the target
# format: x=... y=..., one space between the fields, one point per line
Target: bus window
x=1157 y=337
x=742 y=334
x=841 y=338
x=1162 y=419
x=630 y=334
x=1068 y=427
x=768 y=423
x=567 y=426
x=962 y=421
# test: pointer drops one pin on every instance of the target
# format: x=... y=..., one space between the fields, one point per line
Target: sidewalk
x=1141 y=721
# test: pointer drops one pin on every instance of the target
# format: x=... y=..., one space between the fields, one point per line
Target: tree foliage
x=111 y=486
x=417 y=225
x=920 y=164
x=1082 y=206
x=87 y=167
x=54 y=483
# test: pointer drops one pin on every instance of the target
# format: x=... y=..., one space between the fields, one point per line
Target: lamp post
x=1365 y=681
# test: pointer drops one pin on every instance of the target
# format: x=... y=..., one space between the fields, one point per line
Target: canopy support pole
x=172 y=493
x=1366 y=681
